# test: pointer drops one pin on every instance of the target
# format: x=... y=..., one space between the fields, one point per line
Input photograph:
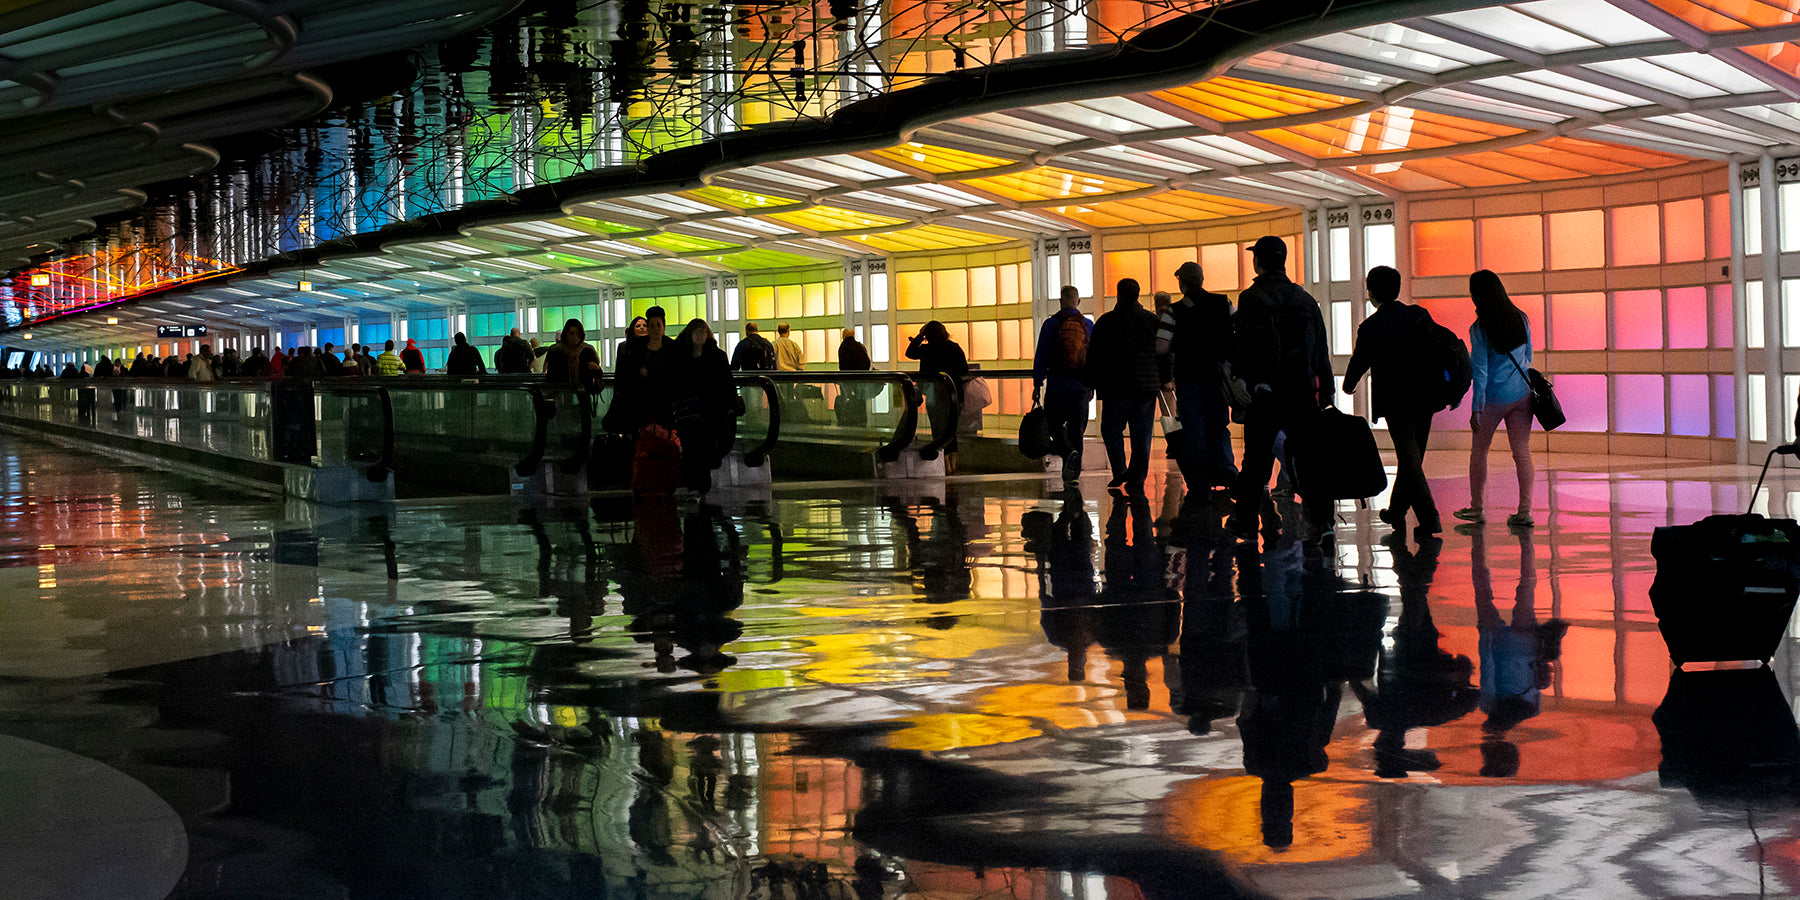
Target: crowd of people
x=1268 y=365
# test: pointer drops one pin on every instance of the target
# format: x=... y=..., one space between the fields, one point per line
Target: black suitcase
x=1725 y=585
x=1335 y=458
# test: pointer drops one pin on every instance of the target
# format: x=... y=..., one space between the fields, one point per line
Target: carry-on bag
x=656 y=464
x=1335 y=458
x=1725 y=586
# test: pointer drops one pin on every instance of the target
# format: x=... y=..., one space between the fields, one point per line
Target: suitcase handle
x=1781 y=449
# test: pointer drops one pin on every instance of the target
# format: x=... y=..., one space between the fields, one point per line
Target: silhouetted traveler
x=706 y=409
x=388 y=363
x=514 y=357
x=200 y=368
x=852 y=403
x=463 y=359
x=1389 y=343
x=278 y=362
x=939 y=355
x=70 y=371
x=230 y=365
x=571 y=360
x=256 y=366
x=645 y=390
x=412 y=359
x=1281 y=356
x=852 y=355
x=1499 y=354
x=1121 y=365
x=103 y=368
x=789 y=355
x=1196 y=336
x=328 y=360
x=753 y=352
x=1059 y=379
x=305 y=364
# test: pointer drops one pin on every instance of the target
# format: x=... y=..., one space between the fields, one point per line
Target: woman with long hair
x=571 y=360
x=705 y=405
x=938 y=354
x=1499 y=352
x=635 y=333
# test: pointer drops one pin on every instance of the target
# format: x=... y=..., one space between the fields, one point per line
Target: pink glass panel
x=1718 y=226
x=1454 y=313
x=1638 y=403
x=1637 y=320
x=1721 y=315
x=1533 y=308
x=1578 y=239
x=1724 y=405
x=1635 y=236
x=1513 y=244
x=1443 y=248
x=1584 y=400
x=1689 y=403
x=1578 y=321
x=1684 y=230
x=1687 y=317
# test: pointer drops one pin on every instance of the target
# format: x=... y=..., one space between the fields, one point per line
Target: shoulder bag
x=1545 y=408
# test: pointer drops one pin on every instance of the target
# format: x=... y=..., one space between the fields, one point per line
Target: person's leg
x=1253 y=476
x=1215 y=415
x=1406 y=461
x=1423 y=504
x=1143 y=433
x=1076 y=417
x=1191 y=442
x=1518 y=434
x=1485 y=423
x=1113 y=414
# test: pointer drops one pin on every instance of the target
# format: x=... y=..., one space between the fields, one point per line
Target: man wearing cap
x=1195 y=335
x=1281 y=355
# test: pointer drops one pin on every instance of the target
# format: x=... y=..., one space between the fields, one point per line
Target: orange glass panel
x=1718 y=226
x=1547 y=160
x=937 y=160
x=1162 y=208
x=1637 y=320
x=1048 y=183
x=1727 y=15
x=1785 y=57
x=1687 y=317
x=1126 y=264
x=912 y=290
x=1384 y=131
x=1684 y=230
x=1513 y=244
x=959 y=332
x=1221 y=263
x=1011 y=339
x=1454 y=313
x=1443 y=248
x=984 y=286
x=984 y=340
x=1009 y=285
x=1229 y=99
x=1635 y=233
x=1578 y=240
x=950 y=288
x=1578 y=321
x=1532 y=305
x=1163 y=264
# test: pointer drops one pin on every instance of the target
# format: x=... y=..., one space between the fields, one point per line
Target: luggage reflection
x=1729 y=738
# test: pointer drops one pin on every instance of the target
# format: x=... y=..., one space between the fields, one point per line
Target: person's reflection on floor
x=580 y=596
x=937 y=546
x=1064 y=547
x=1417 y=684
x=1208 y=679
x=648 y=820
x=712 y=587
x=1515 y=655
x=1133 y=620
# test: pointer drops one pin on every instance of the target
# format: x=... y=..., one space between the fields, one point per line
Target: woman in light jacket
x=1499 y=353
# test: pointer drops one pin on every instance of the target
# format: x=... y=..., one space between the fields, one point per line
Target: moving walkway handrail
x=755 y=456
x=385 y=463
x=904 y=430
x=543 y=409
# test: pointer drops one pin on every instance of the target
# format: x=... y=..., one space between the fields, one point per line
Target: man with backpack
x=753 y=353
x=1195 y=334
x=1059 y=372
x=1281 y=357
x=1399 y=344
x=1122 y=367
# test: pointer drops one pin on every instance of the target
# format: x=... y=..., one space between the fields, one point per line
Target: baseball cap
x=1270 y=245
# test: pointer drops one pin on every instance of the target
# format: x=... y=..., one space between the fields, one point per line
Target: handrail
x=378 y=471
x=542 y=409
x=584 y=448
x=755 y=456
x=904 y=430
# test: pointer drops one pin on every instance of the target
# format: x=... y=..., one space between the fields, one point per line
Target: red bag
x=656 y=464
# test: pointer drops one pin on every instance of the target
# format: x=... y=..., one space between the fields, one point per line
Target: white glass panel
x=1596 y=19
x=878 y=344
x=1753 y=314
x=1124 y=118
x=878 y=292
x=1340 y=254
x=1758 y=401
x=1562 y=89
x=1398 y=45
x=1343 y=337
x=1652 y=75
x=1788 y=200
x=1790 y=312
x=1517 y=29
x=1081 y=272
x=1752 y=221
x=531 y=320
x=731 y=304
x=1790 y=402
x=1327 y=75
x=1714 y=72
x=1378 y=246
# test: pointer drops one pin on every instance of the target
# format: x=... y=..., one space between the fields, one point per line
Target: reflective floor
x=986 y=687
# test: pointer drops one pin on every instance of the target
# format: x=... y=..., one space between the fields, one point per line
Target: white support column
x=1739 y=353
x=1771 y=279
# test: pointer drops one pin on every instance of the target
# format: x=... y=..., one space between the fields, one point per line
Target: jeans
x=1411 y=432
x=1205 y=444
x=1139 y=412
x=1067 y=414
x=1262 y=422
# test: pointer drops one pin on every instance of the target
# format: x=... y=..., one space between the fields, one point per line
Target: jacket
x=1045 y=362
x=1278 y=319
x=1199 y=335
x=753 y=354
x=1387 y=344
x=388 y=364
x=464 y=360
x=1121 y=359
x=1496 y=381
x=789 y=357
x=853 y=356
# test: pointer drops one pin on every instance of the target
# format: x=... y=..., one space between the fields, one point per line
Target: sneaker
x=1470 y=514
x=1520 y=520
x=1116 y=486
x=1394 y=520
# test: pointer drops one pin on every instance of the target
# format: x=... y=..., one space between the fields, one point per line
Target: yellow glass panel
x=984 y=286
x=938 y=160
x=1163 y=264
x=1133 y=264
x=812 y=299
x=984 y=340
x=1050 y=183
x=759 y=302
x=834 y=298
x=1219 y=264
x=1229 y=99
x=735 y=199
x=831 y=218
x=816 y=343
x=913 y=290
x=950 y=288
x=926 y=237
x=1384 y=131
x=1011 y=340
x=788 y=301
x=1009 y=284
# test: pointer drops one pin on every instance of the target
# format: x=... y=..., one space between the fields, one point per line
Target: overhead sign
x=175 y=331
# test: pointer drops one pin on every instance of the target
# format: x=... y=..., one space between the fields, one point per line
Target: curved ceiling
x=1333 y=105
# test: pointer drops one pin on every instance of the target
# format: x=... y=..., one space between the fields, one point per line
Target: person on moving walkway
x=571 y=360
x=1059 y=378
x=464 y=360
x=939 y=355
x=706 y=404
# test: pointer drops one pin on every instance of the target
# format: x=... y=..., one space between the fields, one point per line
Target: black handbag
x=1545 y=408
x=1034 y=433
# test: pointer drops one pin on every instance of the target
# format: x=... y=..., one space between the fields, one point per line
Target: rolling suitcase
x=656 y=465
x=1335 y=458
x=1725 y=586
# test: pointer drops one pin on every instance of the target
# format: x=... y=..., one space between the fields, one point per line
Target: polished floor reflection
x=986 y=687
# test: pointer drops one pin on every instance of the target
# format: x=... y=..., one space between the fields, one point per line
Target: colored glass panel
x=1532 y=305
x=1687 y=317
x=1443 y=248
x=1164 y=262
x=1718 y=226
x=789 y=301
x=1134 y=264
x=1228 y=99
x=1048 y=183
x=1635 y=236
x=925 y=237
x=1719 y=312
x=1578 y=321
x=1577 y=239
x=1689 y=400
x=950 y=288
x=1454 y=313
x=984 y=340
x=1513 y=244
x=1584 y=401
x=938 y=160
x=1724 y=406
x=1638 y=403
x=984 y=286
x=1220 y=264
x=1637 y=320
x=1684 y=230
x=1384 y=131
x=827 y=219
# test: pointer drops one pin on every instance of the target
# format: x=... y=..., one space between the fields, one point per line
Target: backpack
x=1072 y=336
x=1290 y=338
x=1445 y=371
